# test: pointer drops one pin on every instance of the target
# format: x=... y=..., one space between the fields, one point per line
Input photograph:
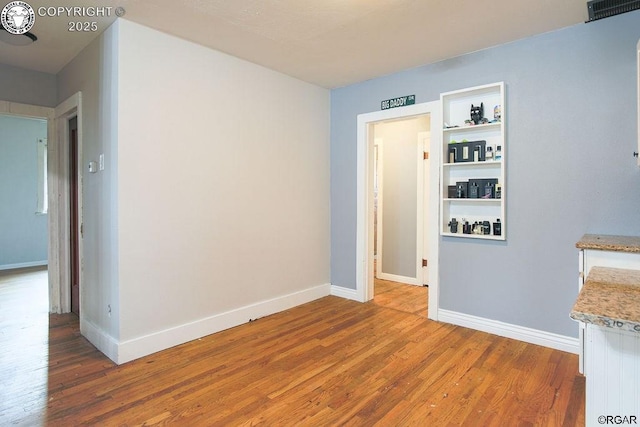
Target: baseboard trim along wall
x=145 y=345
x=346 y=293
x=23 y=265
x=102 y=341
x=521 y=333
x=400 y=279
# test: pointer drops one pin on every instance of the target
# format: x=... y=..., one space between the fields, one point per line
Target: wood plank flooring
x=24 y=328
x=329 y=362
x=408 y=298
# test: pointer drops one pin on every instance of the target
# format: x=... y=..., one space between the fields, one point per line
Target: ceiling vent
x=599 y=9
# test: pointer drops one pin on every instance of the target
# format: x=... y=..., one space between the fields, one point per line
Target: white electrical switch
x=101 y=162
x=93 y=167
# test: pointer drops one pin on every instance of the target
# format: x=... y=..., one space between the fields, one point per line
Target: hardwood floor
x=408 y=298
x=24 y=345
x=329 y=362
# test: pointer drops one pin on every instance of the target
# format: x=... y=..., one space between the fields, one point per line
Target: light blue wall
x=571 y=131
x=23 y=234
x=27 y=87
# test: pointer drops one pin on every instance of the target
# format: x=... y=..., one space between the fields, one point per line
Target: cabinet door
x=612 y=371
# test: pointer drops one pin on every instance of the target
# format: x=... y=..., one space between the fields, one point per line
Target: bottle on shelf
x=497 y=228
x=489 y=154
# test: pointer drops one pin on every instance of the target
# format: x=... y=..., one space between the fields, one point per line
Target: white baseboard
x=148 y=344
x=346 y=293
x=102 y=341
x=23 y=265
x=400 y=279
x=532 y=336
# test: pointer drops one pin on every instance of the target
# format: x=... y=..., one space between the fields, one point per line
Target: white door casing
x=364 y=202
x=423 y=244
x=59 y=220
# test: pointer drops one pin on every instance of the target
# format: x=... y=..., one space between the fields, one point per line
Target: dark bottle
x=486 y=227
x=474 y=191
x=453 y=225
x=466 y=227
x=497 y=228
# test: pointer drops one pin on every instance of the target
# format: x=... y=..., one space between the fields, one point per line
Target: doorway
x=58 y=190
x=400 y=199
x=365 y=199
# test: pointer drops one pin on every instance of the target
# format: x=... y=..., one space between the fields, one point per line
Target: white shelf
x=455 y=110
x=469 y=200
x=487 y=163
x=473 y=236
x=472 y=128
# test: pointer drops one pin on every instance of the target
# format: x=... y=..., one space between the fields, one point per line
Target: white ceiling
x=331 y=43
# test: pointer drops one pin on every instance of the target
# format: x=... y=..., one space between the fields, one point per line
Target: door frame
x=364 y=198
x=427 y=198
x=74 y=212
x=58 y=193
x=60 y=222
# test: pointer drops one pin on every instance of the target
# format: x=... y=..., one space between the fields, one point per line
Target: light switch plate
x=101 y=162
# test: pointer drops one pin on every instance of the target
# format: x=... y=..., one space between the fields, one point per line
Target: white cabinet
x=603 y=251
x=612 y=374
x=473 y=157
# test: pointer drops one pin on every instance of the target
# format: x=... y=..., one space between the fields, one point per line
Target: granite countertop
x=610 y=243
x=610 y=297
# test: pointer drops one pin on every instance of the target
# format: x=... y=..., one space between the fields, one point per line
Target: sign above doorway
x=401 y=101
